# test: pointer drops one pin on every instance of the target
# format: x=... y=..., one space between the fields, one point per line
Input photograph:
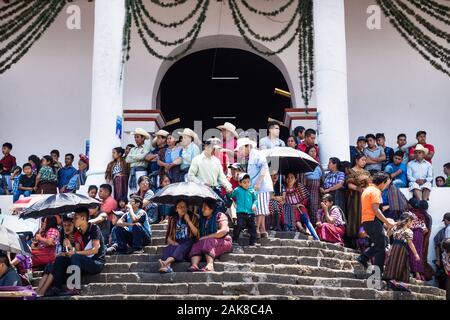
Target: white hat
x=190 y=133
x=141 y=132
x=420 y=147
x=244 y=142
x=229 y=127
x=162 y=133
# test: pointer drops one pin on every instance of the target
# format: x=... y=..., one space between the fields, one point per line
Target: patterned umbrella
x=62 y=203
x=191 y=192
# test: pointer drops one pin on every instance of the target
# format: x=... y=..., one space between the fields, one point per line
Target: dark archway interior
x=188 y=92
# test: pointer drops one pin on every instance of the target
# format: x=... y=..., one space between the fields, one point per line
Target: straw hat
x=141 y=132
x=162 y=133
x=229 y=127
x=420 y=147
x=190 y=133
x=244 y=142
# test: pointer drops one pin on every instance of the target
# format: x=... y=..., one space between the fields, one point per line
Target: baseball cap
x=361 y=138
x=243 y=176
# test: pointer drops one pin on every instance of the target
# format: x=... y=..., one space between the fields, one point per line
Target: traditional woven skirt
x=290 y=217
x=397 y=267
x=331 y=233
x=179 y=252
x=353 y=214
x=120 y=187
x=313 y=187
x=212 y=247
x=418 y=239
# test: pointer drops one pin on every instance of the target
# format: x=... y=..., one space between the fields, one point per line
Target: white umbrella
x=10 y=241
x=19 y=225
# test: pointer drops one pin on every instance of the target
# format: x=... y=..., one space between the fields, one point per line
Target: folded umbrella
x=62 y=203
x=191 y=192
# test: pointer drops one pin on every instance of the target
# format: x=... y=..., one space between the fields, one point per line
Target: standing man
x=310 y=141
x=261 y=181
x=372 y=220
x=388 y=151
x=136 y=158
x=420 y=174
x=159 y=144
x=298 y=134
x=403 y=146
x=66 y=172
x=189 y=141
x=273 y=139
x=229 y=135
x=374 y=154
x=358 y=149
x=421 y=137
x=206 y=169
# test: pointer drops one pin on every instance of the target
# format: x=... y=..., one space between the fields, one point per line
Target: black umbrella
x=191 y=192
x=286 y=160
x=62 y=203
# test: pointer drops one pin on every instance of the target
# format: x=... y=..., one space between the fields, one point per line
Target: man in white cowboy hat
x=273 y=139
x=206 y=168
x=136 y=158
x=190 y=149
x=261 y=181
x=420 y=174
x=229 y=136
x=159 y=144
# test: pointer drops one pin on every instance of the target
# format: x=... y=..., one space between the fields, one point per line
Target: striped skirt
x=290 y=217
x=313 y=187
x=263 y=204
x=397 y=267
x=120 y=187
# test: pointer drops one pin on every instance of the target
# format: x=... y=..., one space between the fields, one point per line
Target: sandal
x=166 y=270
x=205 y=269
x=193 y=269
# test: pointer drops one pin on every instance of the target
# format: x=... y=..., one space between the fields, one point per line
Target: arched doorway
x=223 y=84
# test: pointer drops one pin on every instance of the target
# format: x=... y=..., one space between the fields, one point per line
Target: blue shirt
x=392 y=168
x=143 y=220
x=172 y=154
x=315 y=175
x=64 y=175
x=257 y=163
x=245 y=200
x=188 y=154
x=153 y=165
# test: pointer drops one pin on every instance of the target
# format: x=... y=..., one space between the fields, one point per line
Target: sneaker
x=111 y=250
x=138 y=251
x=361 y=261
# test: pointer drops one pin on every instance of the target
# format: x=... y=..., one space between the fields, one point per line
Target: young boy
x=447 y=173
x=8 y=162
x=246 y=200
x=27 y=182
x=398 y=171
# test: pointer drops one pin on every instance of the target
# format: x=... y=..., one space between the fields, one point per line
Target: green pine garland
x=176 y=3
x=438 y=15
x=437 y=55
x=267 y=13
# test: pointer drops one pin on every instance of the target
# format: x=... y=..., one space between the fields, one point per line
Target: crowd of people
x=355 y=203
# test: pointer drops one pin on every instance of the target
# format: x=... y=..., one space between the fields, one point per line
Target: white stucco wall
x=391 y=88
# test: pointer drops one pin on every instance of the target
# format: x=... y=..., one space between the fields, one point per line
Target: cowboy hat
x=141 y=132
x=244 y=142
x=190 y=133
x=229 y=127
x=161 y=133
x=420 y=147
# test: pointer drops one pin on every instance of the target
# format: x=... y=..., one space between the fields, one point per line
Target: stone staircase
x=276 y=268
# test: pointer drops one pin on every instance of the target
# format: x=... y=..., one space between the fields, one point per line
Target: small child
x=164 y=209
x=27 y=182
x=47 y=178
x=246 y=200
x=8 y=162
x=16 y=173
x=397 y=267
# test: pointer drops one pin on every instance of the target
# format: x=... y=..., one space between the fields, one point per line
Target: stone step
x=159 y=227
x=331 y=263
x=158 y=233
x=251 y=289
x=153 y=267
x=246 y=277
x=191 y=297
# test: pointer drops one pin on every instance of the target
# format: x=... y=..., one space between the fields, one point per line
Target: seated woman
x=214 y=241
x=330 y=224
x=44 y=243
x=46 y=180
x=276 y=205
x=181 y=234
x=295 y=211
x=334 y=181
x=70 y=239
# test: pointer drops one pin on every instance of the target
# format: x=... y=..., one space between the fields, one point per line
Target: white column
x=331 y=79
x=106 y=85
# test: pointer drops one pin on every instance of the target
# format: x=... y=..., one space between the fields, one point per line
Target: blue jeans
x=137 y=238
x=18 y=193
x=86 y=265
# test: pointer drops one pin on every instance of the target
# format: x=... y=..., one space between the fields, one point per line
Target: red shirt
x=8 y=162
x=303 y=146
x=108 y=205
x=430 y=148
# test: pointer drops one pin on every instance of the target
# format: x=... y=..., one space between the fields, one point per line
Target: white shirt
x=420 y=170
